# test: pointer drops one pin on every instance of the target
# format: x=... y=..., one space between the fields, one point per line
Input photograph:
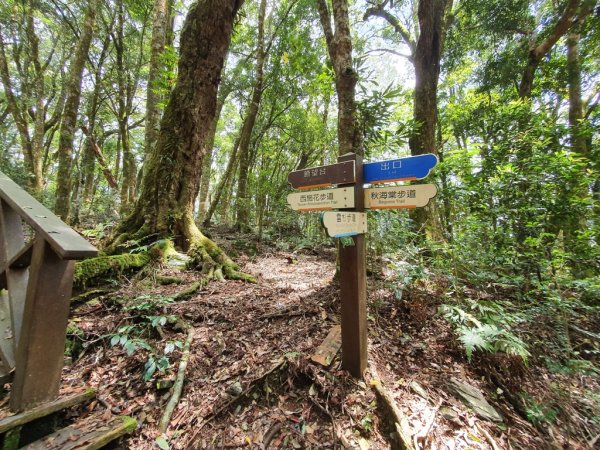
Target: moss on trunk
x=91 y=270
x=173 y=168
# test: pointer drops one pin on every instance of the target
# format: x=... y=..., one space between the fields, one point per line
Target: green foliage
x=539 y=413
x=485 y=327
x=100 y=231
x=132 y=337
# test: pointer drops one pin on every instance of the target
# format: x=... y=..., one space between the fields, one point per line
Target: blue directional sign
x=409 y=168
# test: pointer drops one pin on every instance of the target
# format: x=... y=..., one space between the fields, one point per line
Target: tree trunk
x=221 y=187
x=69 y=118
x=208 y=156
x=537 y=51
x=432 y=29
x=171 y=180
x=242 y=207
x=128 y=178
x=88 y=166
x=339 y=47
x=576 y=218
x=160 y=25
x=425 y=55
x=225 y=89
x=32 y=143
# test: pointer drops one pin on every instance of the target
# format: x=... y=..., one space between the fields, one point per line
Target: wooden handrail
x=64 y=240
x=39 y=277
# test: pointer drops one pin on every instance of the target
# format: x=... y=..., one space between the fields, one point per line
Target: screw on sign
x=349 y=224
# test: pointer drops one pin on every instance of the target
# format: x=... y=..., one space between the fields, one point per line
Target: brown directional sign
x=398 y=197
x=340 y=173
x=322 y=200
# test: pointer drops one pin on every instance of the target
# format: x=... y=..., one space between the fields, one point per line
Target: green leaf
x=472 y=338
x=162 y=443
x=150 y=369
x=130 y=347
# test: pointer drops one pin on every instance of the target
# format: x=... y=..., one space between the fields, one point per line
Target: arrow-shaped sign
x=339 y=173
x=409 y=168
x=397 y=197
x=322 y=200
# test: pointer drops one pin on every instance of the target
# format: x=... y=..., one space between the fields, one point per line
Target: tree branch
x=393 y=52
x=560 y=28
x=325 y=18
x=378 y=11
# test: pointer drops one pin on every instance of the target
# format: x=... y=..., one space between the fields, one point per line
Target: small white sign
x=345 y=223
x=322 y=200
x=397 y=197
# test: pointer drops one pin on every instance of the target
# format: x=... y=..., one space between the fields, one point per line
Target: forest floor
x=250 y=382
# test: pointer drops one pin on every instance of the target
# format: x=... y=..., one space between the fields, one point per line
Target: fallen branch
x=276 y=428
x=110 y=178
x=178 y=386
x=336 y=433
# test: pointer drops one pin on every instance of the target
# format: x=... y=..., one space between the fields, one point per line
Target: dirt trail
x=244 y=331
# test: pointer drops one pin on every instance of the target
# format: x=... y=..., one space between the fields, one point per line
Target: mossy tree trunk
x=339 y=47
x=69 y=120
x=171 y=178
x=125 y=98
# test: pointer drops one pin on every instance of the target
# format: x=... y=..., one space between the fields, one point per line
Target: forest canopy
x=156 y=127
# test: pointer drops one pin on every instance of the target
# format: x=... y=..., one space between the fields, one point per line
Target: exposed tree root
x=398 y=419
x=164 y=280
x=208 y=257
x=204 y=255
x=189 y=291
x=91 y=270
x=178 y=386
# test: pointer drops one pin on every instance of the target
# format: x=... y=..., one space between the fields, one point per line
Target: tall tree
x=538 y=49
x=69 y=117
x=160 y=26
x=242 y=201
x=434 y=18
x=171 y=180
x=29 y=94
x=339 y=47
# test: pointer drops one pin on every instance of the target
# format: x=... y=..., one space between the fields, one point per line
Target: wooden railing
x=37 y=272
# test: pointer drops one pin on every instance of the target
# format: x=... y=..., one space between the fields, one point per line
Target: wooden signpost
x=349 y=223
x=322 y=200
x=342 y=223
x=322 y=176
x=397 y=197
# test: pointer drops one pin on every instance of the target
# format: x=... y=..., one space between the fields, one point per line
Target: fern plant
x=485 y=328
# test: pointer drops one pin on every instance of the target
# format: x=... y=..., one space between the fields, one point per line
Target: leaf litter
x=250 y=382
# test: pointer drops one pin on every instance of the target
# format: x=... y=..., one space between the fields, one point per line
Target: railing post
x=40 y=354
x=11 y=230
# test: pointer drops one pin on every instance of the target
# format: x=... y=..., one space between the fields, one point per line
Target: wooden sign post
x=349 y=222
x=353 y=286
